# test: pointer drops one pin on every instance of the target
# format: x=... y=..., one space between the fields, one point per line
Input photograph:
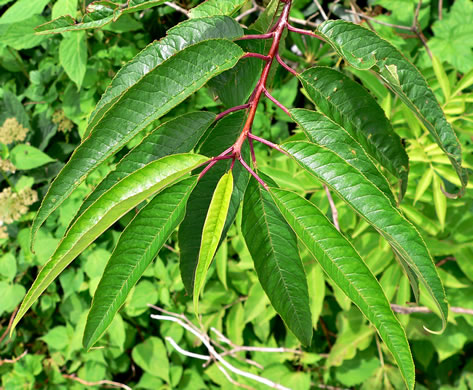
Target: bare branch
x=10 y=322
x=205 y=340
x=177 y=8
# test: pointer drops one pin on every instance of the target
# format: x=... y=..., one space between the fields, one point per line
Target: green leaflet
x=177 y=38
x=324 y=132
x=138 y=245
x=110 y=207
x=73 y=56
x=216 y=7
x=179 y=135
x=98 y=15
x=364 y=50
x=273 y=247
x=150 y=98
x=366 y=199
x=345 y=267
x=221 y=137
x=352 y=107
x=213 y=228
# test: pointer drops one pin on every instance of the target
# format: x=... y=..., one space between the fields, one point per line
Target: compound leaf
x=147 y=100
x=324 y=132
x=212 y=232
x=364 y=50
x=138 y=245
x=110 y=207
x=344 y=266
x=273 y=247
x=352 y=107
x=372 y=205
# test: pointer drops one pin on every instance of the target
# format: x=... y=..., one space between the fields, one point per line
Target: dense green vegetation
x=51 y=79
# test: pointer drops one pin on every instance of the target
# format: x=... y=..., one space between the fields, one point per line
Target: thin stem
x=303 y=32
x=275 y=101
x=253 y=173
x=230 y=110
x=255 y=36
x=286 y=66
x=7 y=180
x=14 y=360
x=440 y=9
x=266 y=142
x=252 y=150
x=257 y=55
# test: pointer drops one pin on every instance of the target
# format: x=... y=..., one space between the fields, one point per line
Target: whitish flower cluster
x=64 y=124
x=7 y=166
x=12 y=131
x=14 y=204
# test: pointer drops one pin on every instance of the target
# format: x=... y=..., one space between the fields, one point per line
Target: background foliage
x=49 y=87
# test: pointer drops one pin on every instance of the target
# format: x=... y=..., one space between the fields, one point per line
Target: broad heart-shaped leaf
x=372 y=205
x=273 y=247
x=178 y=38
x=213 y=228
x=364 y=50
x=352 y=107
x=222 y=136
x=150 y=98
x=343 y=264
x=99 y=14
x=179 y=135
x=110 y=207
x=324 y=132
x=137 y=247
x=216 y=7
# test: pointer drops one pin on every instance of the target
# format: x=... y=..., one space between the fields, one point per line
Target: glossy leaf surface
x=344 y=266
x=352 y=107
x=364 y=50
x=324 y=132
x=138 y=246
x=273 y=247
x=372 y=205
x=177 y=38
x=212 y=231
x=112 y=205
x=179 y=135
x=154 y=95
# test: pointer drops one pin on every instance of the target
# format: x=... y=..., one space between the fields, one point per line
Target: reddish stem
x=256 y=55
x=234 y=152
x=230 y=110
x=242 y=162
x=275 y=101
x=256 y=36
x=251 y=136
x=286 y=66
x=303 y=32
